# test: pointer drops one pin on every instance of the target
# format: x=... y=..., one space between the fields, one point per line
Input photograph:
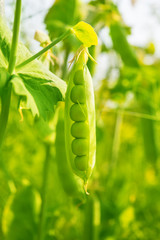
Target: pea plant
x=40 y=90
x=20 y=71
x=77 y=162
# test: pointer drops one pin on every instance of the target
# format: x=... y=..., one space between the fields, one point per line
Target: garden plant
x=79 y=148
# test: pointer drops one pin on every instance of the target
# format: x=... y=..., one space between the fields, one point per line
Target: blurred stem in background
x=149 y=138
x=92 y=219
x=129 y=58
x=116 y=139
x=42 y=219
x=64 y=70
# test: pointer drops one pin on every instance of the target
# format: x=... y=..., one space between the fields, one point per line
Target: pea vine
x=39 y=90
x=25 y=74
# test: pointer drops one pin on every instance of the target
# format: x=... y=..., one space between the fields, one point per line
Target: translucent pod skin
x=80 y=132
x=72 y=184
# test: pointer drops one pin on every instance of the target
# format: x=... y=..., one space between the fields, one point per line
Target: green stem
x=41 y=233
x=116 y=139
x=6 y=95
x=92 y=218
x=65 y=63
x=16 y=27
x=5 y=104
x=62 y=37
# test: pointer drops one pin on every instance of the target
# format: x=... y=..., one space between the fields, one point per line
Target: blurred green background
x=124 y=188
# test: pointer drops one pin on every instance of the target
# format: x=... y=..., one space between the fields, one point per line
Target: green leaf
x=37 y=95
x=5 y=43
x=61 y=15
x=85 y=33
x=40 y=88
x=46 y=130
x=121 y=45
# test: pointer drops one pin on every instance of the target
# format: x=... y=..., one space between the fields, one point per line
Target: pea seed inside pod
x=80 y=146
x=80 y=130
x=81 y=162
x=78 y=94
x=78 y=112
x=78 y=77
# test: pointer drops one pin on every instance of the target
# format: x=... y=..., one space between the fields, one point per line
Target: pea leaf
x=38 y=88
x=85 y=33
x=121 y=45
x=61 y=15
x=5 y=39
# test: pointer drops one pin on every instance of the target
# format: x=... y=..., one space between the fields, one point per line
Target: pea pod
x=72 y=184
x=80 y=132
x=94 y=51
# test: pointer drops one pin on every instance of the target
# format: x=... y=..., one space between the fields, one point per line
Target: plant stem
x=62 y=37
x=16 y=27
x=116 y=138
x=6 y=95
x=92 y=218
x=65 y=63
x=42 y=220
x=5 y=104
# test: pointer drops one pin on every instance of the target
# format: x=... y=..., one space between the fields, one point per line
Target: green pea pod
x=91 y=64
x=80 y=132
x=72 y=184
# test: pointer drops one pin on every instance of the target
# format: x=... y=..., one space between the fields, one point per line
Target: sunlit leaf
x=40 y=88
x=85 y=33
x=121 y=45
x=61 y=15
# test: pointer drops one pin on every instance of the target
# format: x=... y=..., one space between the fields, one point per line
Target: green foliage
x=21 y=214
x=124 y=189
x=40 y=88
x=121 y=45
x=62 y=15
x=86 y=34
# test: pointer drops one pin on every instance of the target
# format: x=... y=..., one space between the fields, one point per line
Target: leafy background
x=124 y=187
